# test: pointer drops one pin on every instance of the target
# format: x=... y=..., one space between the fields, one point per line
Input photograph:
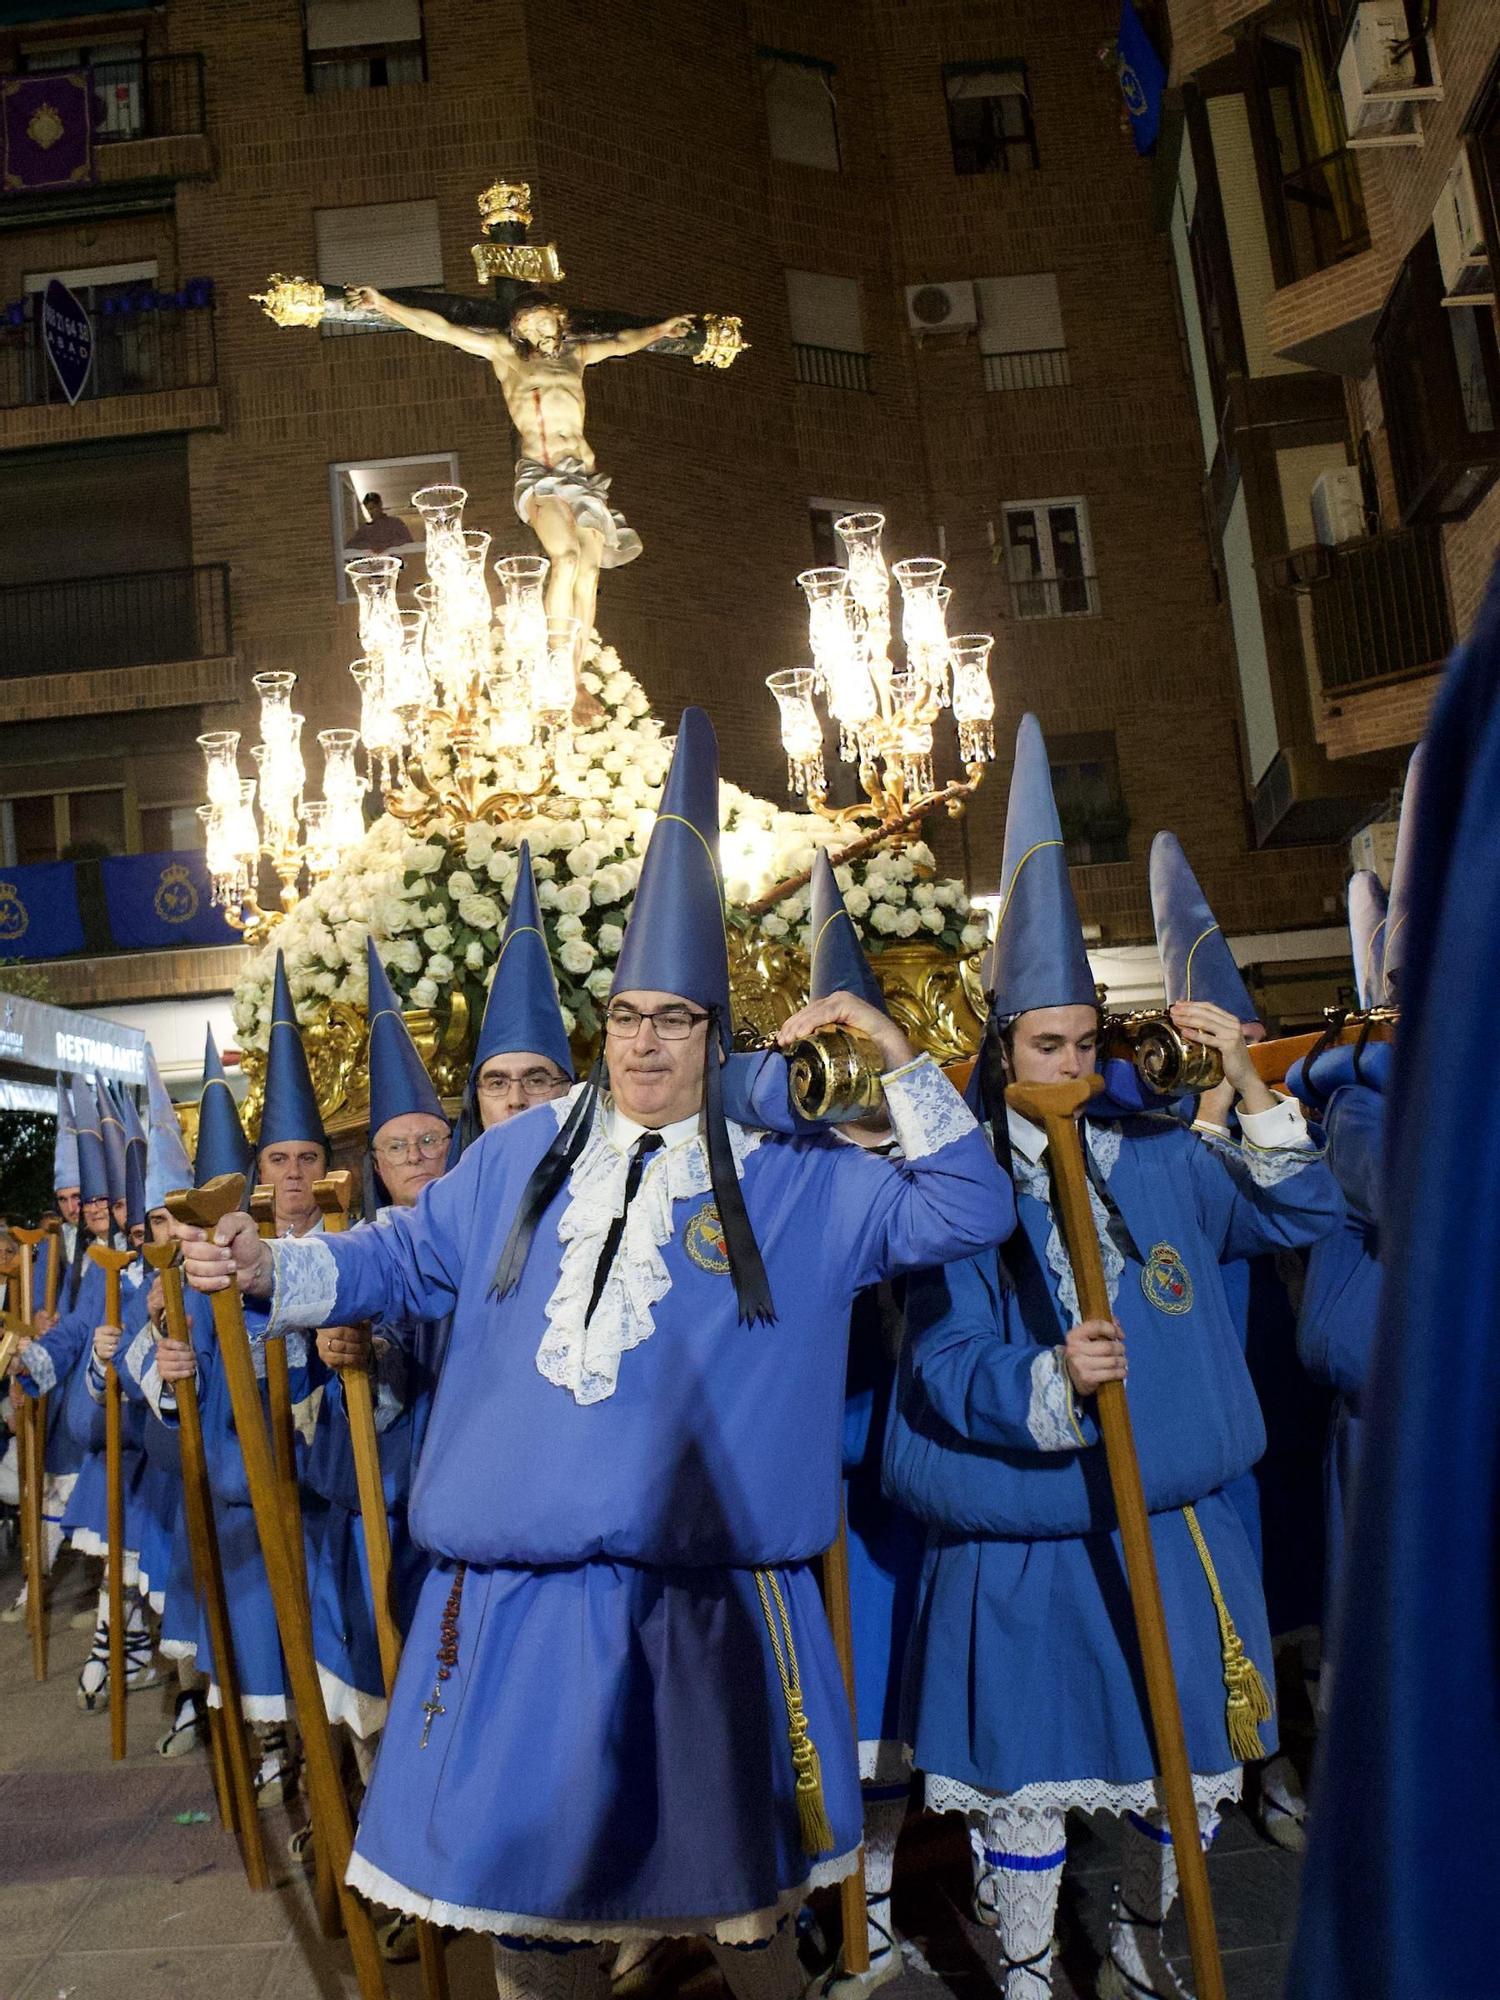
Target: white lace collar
x=585 y=1359
x=1103 y=1141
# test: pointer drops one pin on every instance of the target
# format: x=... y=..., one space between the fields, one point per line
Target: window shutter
x=358 y=24
x=825 y=311
x=800 y=114
x=1019 y=315
x=1007 y=80
x=391 y=243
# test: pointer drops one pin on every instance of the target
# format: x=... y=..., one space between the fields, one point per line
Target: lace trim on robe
x=585 y=1359
x=254 y=1707
x=1049 y=1414
x=304 y=1287
x=1210 y=1791
x=926 y=1112
x=1103 y=1141
x=364 y=1713
x=41 y=1368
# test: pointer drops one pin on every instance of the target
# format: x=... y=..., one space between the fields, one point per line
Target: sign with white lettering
x=68 y=336
x=35 y=1036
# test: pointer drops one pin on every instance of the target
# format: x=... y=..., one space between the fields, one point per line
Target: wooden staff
x=333 y=1195
x=112 y=1263
x=203 y=1208
x=52 y=1224
x=234 y=1780
x=1054 y=1106
x=841 y=1621
x=32 y=1441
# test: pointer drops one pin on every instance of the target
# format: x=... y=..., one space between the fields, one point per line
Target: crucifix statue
x=538 y=349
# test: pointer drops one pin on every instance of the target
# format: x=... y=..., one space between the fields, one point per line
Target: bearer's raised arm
x=485 y=341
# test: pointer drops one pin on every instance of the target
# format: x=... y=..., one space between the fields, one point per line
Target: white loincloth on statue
x=586 y=495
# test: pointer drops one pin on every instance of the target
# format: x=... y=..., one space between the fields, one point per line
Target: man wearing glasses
x=620 y=1713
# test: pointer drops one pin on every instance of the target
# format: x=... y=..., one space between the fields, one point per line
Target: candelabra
x=291 y=832
x=884 y=711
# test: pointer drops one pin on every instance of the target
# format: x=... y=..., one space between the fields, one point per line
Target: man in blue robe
x=619 y=1712
x=1025 y=1693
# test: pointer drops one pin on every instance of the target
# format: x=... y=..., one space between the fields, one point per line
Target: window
x=1090 y=803
x=828 y=551
x=129 y=335
x=118 y=70
x=373 y=514
x=170 y=829
x=1050 y=559
x=828 y=335
x=989 y=118
x=62 y=826
x=1439 y=373
x=393 y=243
x=1319 y=216
x=801 y=114
x=364 y=44
x=1021 y=332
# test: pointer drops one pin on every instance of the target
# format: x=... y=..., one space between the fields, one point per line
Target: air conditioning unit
x=942 y=308
x=1378 y=77
x=1338 y=506
x=1462 y=253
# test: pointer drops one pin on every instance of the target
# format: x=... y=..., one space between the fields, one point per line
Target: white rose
x=924 y=896
x=569 y=1019
x=883 y=919
x=932 y=920
x=922 y=855
x=438 y=938
x=546 y=895
x=479 y=844
x=573 y=899
x=773 y=926
x=857 y=901
x=426 y=860
x=597 y=784
x=609 y=938
x=424 y=993
x=576 y=956
x=480 y=913
x=501 y=866
x=324 y=982
x=566 y=835
x=407 y=955
x=946 y=895
x=907 y=921
x=390 y=914
x=973 y=936
x=440 y=967
x=569 y=926
x=474 y=956
x=599 y=982
x=585 y=858
x=794 y=907
x=542 y=838
x=610 y=884
x=460 y=884
x=543 y=870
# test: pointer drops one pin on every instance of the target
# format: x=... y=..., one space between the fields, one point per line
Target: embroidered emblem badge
x=703 y=1239
x=1165 y=1280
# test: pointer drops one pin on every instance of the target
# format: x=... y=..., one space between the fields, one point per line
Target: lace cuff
x=926 y=1112
x=1276 y=1144
x=41 y=1369
x=305 y=1285
x=1050 y=1416
x=95 y=1379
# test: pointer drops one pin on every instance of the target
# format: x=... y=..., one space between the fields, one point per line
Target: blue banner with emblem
x=1143 y=78
x=39 y=914
x=157 y=900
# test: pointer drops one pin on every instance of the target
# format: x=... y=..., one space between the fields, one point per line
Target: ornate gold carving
x=530 y=263
x=292 y=301
x=723 y=340
x=506 y=201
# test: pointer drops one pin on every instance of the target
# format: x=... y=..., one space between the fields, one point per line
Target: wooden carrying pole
x=234 y=1779
x=1054 y=1106
x=112 y=1263
x=203 y=1208
x=333 y=1195
x=841 y=1621
x=31 y=1440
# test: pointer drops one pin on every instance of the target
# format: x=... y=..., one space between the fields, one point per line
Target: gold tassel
x=813 y=1827
x=1249 y=1701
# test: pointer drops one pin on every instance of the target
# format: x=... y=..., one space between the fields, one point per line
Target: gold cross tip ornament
x=292 y=301
x=505 y=202
x=723 y=340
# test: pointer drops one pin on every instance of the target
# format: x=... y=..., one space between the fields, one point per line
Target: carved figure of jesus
x=560 y=494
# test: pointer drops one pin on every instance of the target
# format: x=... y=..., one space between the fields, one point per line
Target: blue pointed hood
x=222 y=1145
x=1195 y=956
x=399 y=1082
x=112 y=1131
x=522 y=1012
x=290 y=1110
x=168 y=1168
x=65 y=1145
x=1403 y=881
x=836 y=958
x=674 y=942
x=1037 y=958
x=1367 y=922
x=93 y=1172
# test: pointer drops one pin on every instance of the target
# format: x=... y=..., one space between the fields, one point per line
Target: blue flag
x=162 y=899
x=1143 y=78
x=39 y=915
x=1398 y=1886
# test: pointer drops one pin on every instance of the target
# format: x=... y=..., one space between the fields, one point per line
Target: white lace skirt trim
x=87 y=1543
x=363 y=1713
x=254 y=1707
x=752 y=1928
x=883 y=1761
x=178 y=1649
x=1210 y=1791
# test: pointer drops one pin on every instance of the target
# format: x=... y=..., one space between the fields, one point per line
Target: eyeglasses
x=672 y=1024
x=427 y=1145
x=535 y=1083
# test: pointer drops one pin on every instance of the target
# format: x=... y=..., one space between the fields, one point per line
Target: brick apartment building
x=969 y=305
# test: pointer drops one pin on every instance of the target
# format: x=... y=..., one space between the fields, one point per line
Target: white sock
x=769 y=1971
x=1147 y=1891
x=1018 y=1864
x=885 y=1814
x=548 y=1969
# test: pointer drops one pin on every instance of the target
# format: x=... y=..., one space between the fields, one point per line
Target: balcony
x=149 y=639
x=831 y=367
x=1379 y=608
x=149 y=125
x=1322 y=215
x=1036 y=368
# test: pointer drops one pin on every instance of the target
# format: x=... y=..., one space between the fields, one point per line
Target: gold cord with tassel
x=1249 y=1702
x=813 y=1825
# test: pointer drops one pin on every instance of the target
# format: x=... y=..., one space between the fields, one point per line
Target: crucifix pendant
x=431 y=1709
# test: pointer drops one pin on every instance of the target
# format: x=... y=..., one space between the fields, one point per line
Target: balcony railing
x=832 y=367
x=159 y=97
x=143 y=619
x=135 y=353
x=1034 y=368
x=1054 y=596
x=1380 y=607
x=1323 y=214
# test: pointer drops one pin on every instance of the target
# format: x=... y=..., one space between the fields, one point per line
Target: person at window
x=379 y=531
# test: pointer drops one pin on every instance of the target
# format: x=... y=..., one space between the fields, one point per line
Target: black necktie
x=645 y=1146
